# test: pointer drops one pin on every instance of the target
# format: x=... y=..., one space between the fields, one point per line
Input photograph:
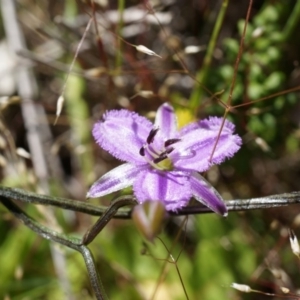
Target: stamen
x=160 y=158
x=171 y=142
x=169 y=150
x=152 y=134
x=152 y=151
x=142 y=151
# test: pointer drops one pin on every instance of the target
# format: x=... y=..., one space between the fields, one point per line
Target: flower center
x=158 y=158
x=165 y=165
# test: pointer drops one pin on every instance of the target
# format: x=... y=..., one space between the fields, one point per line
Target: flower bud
x=148 y=218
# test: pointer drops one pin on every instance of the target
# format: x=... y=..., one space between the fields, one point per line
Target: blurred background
x=85 y=53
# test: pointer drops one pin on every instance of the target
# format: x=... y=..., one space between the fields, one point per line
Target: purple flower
x=162 y=163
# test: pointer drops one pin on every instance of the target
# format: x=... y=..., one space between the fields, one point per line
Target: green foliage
x=214 y=251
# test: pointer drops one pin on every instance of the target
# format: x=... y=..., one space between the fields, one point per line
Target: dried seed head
x=96 y=72
x=296 y=221
x=241 y=287
x=2 y=142
x=294 y=244
x=3 y=161
x=257 y=32
x=23 y=153
x=145 y=50
x=145 y=94
x=285 y=290
x=59 y=106
x=262 y=144
x=193 y=49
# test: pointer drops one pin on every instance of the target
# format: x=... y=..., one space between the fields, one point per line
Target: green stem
x=78 y=114
x=71 y=242
x=105 y=218
x=75 y=205
x=93 y=274
x=125 y=213
x=292 y=22
x=202 y=74
x=121 y=7
x=249 y=204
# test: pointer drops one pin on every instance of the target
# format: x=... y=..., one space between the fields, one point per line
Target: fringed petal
x=122 y=133
x=207 y=195
x=117 y=179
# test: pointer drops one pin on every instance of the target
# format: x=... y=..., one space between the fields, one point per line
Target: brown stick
x=37 y=130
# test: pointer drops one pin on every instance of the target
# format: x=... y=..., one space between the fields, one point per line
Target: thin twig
x=105 y=218
x=74 y=205
x=249 y=204
x=125 y=213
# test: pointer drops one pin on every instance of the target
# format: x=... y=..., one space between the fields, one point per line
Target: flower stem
x=121 y=7
x=62 y=239
x=292 y=22
x=202 y=74
x=105 y=218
